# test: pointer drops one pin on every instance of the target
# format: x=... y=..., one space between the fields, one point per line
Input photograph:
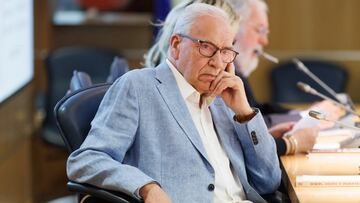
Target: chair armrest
x=111 y=196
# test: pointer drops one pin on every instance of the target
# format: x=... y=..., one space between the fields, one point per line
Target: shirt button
x=211 y=187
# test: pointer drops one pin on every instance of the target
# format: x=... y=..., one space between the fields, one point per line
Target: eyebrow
x=231 y=48
x=208 y=41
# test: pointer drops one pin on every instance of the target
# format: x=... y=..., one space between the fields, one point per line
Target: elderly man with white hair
x=184 y=130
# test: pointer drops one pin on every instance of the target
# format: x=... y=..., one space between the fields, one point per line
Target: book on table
x=328 y=181
x=334 y=139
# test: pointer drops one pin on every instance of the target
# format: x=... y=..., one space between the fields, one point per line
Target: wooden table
x=321 y=164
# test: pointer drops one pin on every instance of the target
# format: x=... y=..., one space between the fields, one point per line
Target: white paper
x=305 y=122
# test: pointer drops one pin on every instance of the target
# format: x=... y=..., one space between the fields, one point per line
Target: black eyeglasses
x=209 y=49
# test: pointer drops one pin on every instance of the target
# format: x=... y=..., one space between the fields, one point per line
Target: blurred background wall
x=325 y=29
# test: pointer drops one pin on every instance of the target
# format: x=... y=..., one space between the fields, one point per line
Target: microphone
x=305 y=70
x=267 y=56
x=321 y=116
x=308 y=89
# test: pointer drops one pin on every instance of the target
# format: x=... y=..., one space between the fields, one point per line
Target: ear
x=175 y=46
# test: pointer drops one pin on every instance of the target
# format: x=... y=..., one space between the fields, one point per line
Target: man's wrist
x=244 y=117
x=144 y=190
x=243 y=110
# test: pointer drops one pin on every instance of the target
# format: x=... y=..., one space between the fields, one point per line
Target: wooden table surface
x=321 y=164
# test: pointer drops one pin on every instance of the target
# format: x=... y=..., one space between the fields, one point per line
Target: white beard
x=246 y=65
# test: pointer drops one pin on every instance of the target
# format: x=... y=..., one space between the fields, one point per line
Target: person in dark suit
x=251 y=38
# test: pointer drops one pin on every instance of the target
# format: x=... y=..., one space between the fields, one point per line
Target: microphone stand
x=304 y=69
x=308 y=89
x=320 y=116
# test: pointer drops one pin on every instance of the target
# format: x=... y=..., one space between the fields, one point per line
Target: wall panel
x=329 y=29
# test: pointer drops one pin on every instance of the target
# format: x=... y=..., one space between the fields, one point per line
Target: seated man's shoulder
x=138 y=75
x=141 y=73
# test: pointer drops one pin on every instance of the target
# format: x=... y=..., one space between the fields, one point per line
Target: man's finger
x=230 y=68
x=216 y=81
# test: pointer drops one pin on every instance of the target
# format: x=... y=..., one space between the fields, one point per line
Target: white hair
x=158 y=52
x=193 y=12
x=243 y=8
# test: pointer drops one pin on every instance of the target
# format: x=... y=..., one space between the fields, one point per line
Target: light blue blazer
x=143 y=132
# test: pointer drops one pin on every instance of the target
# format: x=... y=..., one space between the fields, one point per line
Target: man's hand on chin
x=152 y=193
x=231 y=88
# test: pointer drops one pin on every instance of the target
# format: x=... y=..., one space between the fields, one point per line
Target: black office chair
x=73 y=115
x=60 y=66
x=285 y=76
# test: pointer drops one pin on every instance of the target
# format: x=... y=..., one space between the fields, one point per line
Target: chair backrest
x=74 y=114
x=60 y=66
x=285 y=76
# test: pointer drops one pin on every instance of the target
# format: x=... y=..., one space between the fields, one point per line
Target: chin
x=204 y=90
x=203 y=86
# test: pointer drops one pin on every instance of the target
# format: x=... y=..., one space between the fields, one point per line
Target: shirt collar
x=187 y=91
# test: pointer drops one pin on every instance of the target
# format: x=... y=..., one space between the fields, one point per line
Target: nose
x=216 y=61
x=264 y=40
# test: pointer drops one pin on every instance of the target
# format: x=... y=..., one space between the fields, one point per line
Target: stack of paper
x=334 y=139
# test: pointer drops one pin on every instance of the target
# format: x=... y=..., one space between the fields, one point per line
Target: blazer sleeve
x=262 y=164
x=99 y=159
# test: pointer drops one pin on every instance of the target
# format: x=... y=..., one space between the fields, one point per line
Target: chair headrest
x=79 y=80
x=118 y=68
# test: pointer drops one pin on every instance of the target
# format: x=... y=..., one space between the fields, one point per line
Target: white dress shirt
x=228 y=188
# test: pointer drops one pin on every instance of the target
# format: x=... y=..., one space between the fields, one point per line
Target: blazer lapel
x=171 y=94
x=228 y=138
x=222 y=126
